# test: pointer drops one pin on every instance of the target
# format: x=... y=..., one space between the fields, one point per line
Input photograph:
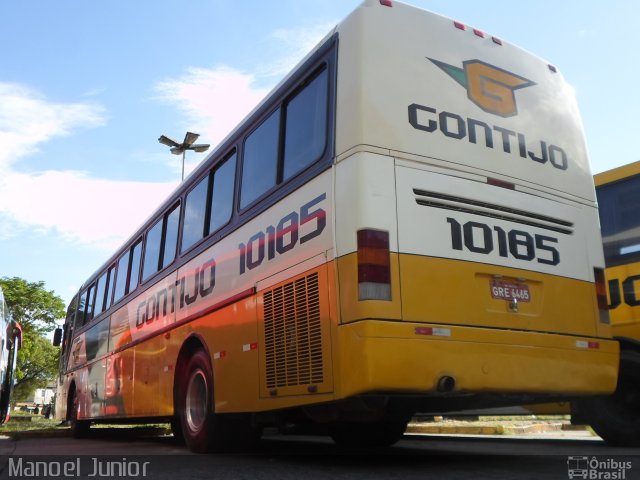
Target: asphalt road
x=109 y=453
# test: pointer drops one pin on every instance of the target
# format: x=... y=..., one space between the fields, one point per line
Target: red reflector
x=386 y=3
x=496 y=40
x=424 y=331
x=501 y=183
x=374 y=265
x=601 y=289
x=594 y=345
x=478 y=33
x=373 y=239
x=459 y=25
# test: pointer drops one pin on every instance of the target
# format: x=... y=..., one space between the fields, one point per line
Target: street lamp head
x=187 y=144
x=169 y=142
x=189 y=138
x=200 y=147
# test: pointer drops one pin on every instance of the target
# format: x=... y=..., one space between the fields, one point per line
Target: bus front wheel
x=616 y=418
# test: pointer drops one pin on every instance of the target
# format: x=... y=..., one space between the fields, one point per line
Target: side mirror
x=57 y=337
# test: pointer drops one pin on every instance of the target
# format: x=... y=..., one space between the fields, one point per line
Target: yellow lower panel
x=389 y=356
x=441 y=290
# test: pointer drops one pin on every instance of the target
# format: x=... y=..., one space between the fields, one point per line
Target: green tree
x=37 y=365
x=36 y=309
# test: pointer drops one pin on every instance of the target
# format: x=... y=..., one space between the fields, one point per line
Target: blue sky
x=86 y=88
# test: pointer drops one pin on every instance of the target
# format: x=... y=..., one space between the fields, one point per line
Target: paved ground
x=531 y=456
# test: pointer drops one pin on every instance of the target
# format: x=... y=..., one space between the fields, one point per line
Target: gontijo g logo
x=491 y=88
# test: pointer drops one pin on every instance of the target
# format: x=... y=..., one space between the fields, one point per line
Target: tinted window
x=135 y=266
x=82 y=302
x=194 y=214
x=306 y=126
x=260 y=164
x=121 y=280
x=110 y=286
x=222 y=195
x=152 y=251
x=100 y=294
x=619 y=205
x=89 y=303
x=171 y=237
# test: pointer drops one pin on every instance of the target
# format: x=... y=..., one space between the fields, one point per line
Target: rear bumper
x=383 y=356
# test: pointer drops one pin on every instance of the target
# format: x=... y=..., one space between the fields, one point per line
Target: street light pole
x=187 y=144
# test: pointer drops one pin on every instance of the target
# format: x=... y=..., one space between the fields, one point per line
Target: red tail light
x=601 y=294
x=374 y=265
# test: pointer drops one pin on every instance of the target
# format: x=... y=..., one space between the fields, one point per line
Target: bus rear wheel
x=616 y=418
x=195 y=408
x=202 y=429
x=79 y=428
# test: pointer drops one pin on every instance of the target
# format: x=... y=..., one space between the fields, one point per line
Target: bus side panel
x=624 y=299
x=149 y=376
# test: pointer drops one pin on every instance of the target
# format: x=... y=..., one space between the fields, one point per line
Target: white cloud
x=72 y=204
x=213 y=101
x=79 y=208
x=296 y=42
x=27 y=119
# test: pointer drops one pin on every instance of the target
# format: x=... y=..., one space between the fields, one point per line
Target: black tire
x=201 y=428
x=381 y=433
x=195 y=403
x=616 y=418
x=79 y=428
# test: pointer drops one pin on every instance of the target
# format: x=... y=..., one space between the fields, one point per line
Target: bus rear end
x=470 y=272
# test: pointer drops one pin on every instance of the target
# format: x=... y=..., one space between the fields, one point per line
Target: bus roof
x=618 y=173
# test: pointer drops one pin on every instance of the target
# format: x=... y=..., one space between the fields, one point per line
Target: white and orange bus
x=406 y=223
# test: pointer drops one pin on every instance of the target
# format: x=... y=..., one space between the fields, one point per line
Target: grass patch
x=23 y=424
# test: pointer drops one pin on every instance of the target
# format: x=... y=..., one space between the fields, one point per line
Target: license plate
x=510 y=290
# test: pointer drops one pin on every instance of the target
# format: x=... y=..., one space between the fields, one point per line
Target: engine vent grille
x=292 y=332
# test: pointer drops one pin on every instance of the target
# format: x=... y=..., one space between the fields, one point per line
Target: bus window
x=152 y=246
x=101 y=288
x=619 y=205
x=171 y=237
x=111 y=283
x=194 y=214
x=136 y=253
x=222 y=195
x=306 y=126
x=121 y=278
x=260 y=164
x=80 y=309
x=89 y=304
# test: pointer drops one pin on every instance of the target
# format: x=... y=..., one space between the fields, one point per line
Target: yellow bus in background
x=406 y=223
x=618 y=193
